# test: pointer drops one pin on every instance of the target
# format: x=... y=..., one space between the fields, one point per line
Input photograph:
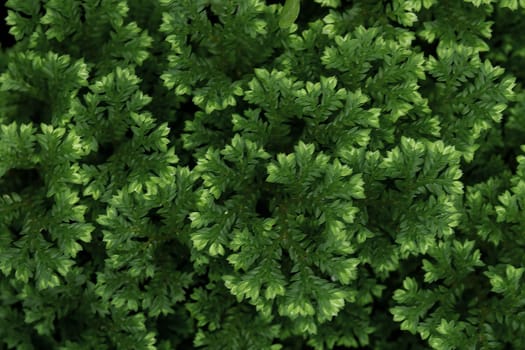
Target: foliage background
x=178 y=174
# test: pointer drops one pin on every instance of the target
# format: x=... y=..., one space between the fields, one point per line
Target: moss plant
x=248 y=174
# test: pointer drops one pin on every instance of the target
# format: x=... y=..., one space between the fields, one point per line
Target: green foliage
x=289 y=13
x=226 y=174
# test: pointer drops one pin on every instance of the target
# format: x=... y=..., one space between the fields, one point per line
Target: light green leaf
x=289 y=13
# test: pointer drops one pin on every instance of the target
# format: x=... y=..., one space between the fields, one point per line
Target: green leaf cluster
x=226 y=174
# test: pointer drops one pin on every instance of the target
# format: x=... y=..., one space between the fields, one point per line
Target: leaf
x=289 y=13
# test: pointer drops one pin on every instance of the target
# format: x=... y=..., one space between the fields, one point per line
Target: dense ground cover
x=215 y=174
